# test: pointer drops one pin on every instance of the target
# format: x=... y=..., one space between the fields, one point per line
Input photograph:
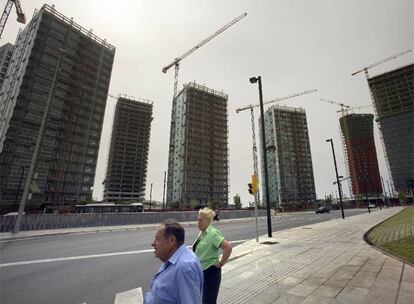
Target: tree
x=237 y=201
x=402 y=197
x=176 y=205
x=194 y=203
x=212 y=204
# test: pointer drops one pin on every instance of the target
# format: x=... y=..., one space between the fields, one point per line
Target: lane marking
x=90 y=256
x=75 y=258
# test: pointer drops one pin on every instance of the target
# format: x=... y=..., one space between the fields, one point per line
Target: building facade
x=198 y=167
x=360 y=153
x=5 y=57
x=393 y=96
x=128 y=155
x=65 y=169
x=289 y=159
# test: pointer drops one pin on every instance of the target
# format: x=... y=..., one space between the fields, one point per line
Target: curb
x=367 y=240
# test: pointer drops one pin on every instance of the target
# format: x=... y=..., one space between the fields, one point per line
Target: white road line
x=75 y=258
x=91 y=256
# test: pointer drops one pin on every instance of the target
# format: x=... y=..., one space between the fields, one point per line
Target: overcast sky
x=294 y=45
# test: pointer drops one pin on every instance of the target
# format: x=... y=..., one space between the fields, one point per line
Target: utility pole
x=39 y=141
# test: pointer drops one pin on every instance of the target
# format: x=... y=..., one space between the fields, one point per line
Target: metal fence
x=77 y=220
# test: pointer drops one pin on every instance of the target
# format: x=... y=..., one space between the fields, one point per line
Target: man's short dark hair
x=173 y=228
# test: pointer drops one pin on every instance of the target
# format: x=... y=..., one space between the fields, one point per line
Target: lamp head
x=328 y=140
x=253 y=79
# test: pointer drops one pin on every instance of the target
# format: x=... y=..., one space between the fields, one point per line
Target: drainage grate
x=269 y=242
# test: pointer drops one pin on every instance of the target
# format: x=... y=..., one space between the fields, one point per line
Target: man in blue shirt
x=180 y=278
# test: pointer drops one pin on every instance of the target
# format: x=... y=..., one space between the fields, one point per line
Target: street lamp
x=269 y=221
x=39 y=141
x=337 y=177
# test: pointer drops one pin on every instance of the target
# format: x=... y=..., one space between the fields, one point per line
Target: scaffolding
x=393 y=98
x=361 y=156
x=68 y=155
x=198 y=168
x=289 y=157
x=128 y=155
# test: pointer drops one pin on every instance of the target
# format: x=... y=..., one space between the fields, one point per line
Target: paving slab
x=328 y=262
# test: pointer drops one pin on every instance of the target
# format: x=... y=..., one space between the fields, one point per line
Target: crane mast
x=21 y=18
x=176 y=61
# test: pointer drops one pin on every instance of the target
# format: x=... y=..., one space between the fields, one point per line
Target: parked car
x=322 y=209
x=372 y=206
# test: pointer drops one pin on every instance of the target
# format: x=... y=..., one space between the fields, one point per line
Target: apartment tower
x=393 y=96
x=360 y=153
x=65 y=168
x=5 y=57
x=198 y=156
x=289 y=159
x=128 y=155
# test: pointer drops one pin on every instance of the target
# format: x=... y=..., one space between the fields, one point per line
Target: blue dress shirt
x=179 y=280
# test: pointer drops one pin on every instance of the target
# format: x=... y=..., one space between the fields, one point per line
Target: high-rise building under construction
x=65 y=168
x=198 y=155
x=289 y=159
x=360 y=153
x=5 y=58
x=393 y=96
x=128 y=154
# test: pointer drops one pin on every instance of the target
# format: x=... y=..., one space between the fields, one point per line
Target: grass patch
x=402 y=248
x=396 y=235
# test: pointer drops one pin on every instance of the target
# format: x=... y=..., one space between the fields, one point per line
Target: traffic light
x=250 y=188
x=255 y=183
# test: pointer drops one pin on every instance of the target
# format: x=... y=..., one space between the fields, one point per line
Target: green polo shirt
x=208 y=248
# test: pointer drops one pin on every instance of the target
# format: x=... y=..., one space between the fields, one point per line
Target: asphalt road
x=93 y=267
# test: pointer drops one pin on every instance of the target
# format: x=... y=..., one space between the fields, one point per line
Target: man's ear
x=172 y=240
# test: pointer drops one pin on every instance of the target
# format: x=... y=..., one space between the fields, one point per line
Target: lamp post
x=163 y=192
x=39 y=141
x=366 y=193
x=150 y=197
x=390 y=194
x=337 y=177
x=18 y=187
x=269 y=221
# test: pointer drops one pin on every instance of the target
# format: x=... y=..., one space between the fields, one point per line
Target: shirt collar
x=173 y=259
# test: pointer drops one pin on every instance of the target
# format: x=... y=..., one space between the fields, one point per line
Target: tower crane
x=344 y=107
x=20 y=15
x=365 y=69
x=176 y=61
x=251 y=108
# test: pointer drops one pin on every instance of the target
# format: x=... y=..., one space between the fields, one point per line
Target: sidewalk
x=328 y=262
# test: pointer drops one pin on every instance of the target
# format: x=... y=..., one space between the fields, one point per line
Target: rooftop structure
x=289 y=157
x=198 y=158
x=128 y=155
x=65 y=169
